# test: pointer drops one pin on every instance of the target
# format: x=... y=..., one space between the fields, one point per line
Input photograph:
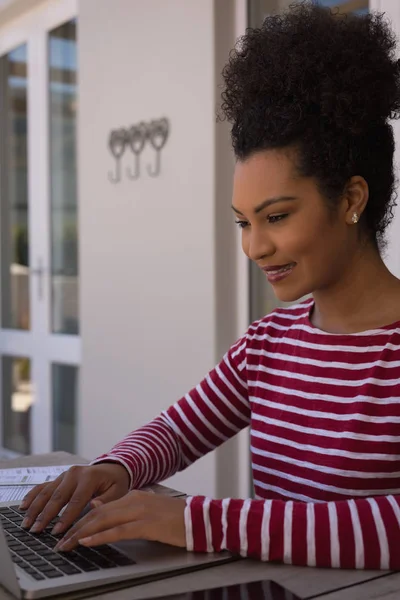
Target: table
x=324 y=584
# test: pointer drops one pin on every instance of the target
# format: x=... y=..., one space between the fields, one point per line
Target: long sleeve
x=362 y=533
x=214 y=411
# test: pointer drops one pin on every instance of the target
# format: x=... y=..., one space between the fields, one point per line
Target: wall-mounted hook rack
x=155 y=132
x=117 y=143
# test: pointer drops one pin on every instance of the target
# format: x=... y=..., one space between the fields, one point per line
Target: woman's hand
x=138 y=515
x=74 y=489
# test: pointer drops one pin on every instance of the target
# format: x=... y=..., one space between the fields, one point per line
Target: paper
x=16 y=483
x=13 y=493
x=30 y=476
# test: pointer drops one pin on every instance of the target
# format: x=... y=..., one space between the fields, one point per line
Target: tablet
x=254 y=590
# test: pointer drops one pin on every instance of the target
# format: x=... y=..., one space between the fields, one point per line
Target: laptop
x=29 y=567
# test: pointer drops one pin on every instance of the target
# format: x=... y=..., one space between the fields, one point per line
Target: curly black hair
x=325 y=84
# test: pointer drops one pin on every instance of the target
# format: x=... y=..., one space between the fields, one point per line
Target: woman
x=309 y=96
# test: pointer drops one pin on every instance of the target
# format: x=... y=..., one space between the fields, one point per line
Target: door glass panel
x=15 y=311
x=259 y=9
x=65 y=401
x=17 y=399
x=64 y=217
x=353 y=6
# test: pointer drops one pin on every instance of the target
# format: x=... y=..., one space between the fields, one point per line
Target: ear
x=356 y=196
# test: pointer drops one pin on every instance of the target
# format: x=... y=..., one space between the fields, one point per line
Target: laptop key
x=48 y=554
x=102 y=562
x=82 y=564
x=47 y=569
x=30 y=556
x=88 y=568
x=69 y=569
x=37 y=547
x=87 y=554
x=29 y=543
x=14 y=545
x=18 y=511
x=58 y=561
x=37 y=576
x=38 y=562
x=23 y=552
x=49 y=543
x=53 y=574
x=116 y=556
x=15 y=517
x=19 y=534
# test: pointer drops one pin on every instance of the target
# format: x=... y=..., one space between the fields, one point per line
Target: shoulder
x=281 y=319
x=269 y=329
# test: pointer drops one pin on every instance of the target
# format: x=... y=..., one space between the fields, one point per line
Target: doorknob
x=39 y=272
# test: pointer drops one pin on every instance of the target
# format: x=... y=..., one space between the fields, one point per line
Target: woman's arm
x=210 y=414
x=361 y=534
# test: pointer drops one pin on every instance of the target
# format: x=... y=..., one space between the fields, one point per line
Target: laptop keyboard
x=35 y=555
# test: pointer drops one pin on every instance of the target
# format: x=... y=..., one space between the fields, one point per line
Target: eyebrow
x=267 y=203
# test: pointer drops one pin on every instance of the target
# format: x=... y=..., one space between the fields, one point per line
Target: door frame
x=39 y=344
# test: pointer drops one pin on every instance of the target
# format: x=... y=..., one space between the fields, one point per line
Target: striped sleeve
x=211 y=413
x=347 y=534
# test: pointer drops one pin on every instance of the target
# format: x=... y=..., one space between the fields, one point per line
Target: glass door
x=39 y=328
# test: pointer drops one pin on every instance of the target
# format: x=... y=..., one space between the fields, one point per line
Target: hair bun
x=312 y=65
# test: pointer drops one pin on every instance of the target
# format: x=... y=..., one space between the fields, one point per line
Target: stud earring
x=354 y=218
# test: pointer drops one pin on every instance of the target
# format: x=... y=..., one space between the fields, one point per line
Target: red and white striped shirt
x=324 y=416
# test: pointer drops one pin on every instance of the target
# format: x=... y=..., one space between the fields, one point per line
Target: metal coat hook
x=117 y=144
x=157 y=133
x=137 y=135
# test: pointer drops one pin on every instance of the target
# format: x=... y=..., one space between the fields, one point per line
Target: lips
x=277 y=273
x=278 y=268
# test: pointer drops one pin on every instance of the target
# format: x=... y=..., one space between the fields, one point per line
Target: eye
x=276 y=218
x=242 y=224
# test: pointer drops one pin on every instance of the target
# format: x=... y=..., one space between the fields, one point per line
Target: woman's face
x=287 y=228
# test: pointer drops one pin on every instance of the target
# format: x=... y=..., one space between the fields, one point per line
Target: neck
x=365 y=297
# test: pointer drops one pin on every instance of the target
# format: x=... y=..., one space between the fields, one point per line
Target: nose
x=258 y=245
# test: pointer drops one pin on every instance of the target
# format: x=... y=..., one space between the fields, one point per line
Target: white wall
x=151 y=288
x=391 y=8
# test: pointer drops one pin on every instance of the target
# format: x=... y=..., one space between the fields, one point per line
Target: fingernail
x=57 y=529
x=23 y=505
x=59 y=545
x=25 y=523
x=36 y=527
x=85 y=541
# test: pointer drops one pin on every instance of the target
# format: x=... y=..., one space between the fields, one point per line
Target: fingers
x=99 y=519
x=128 y=531
x=111 y=494
x=72 y=489
x=37 y=499
x=79 y=499
x=30 y=497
